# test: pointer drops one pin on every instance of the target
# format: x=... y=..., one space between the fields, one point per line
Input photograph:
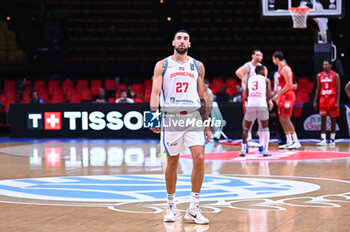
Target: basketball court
x=118 y=185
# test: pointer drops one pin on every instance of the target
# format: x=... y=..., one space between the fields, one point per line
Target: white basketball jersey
x=179 y=89
x=257 y=91
x=251 y=69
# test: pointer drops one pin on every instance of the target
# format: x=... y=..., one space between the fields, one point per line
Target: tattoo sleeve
x=202 y=110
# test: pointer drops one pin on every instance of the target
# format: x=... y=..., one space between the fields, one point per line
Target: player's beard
x=181 y=50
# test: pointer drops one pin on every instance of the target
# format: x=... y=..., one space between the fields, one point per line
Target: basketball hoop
x=299 y=15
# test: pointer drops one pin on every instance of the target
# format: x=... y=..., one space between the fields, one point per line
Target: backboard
x=318 y=8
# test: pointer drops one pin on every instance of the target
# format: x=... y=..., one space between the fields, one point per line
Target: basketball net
x=299 y=16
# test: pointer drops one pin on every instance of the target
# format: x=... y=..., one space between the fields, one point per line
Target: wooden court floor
x=103 y=185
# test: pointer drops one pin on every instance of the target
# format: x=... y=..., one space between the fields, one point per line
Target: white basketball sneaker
x=322 y=143
x=170 y=215
x=332 y=142
x=285 y=146
x=195 y=215
x=295 y=145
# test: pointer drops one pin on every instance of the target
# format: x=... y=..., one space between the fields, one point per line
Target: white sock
x=260 y=133
x=332 y=136
x=289 y=139
x=295 y=137
x=171 y=199
x=266 y=140
x=249 y=137
x=261 y=141
x=194 y=200
x=243 y=148
x=323 y=136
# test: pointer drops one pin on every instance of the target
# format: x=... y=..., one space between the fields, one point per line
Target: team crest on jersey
x=192 y=67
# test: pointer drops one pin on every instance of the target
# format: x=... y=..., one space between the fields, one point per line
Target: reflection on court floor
x=115 y=180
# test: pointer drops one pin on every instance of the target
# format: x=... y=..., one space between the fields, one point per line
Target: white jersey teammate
x=257 y=96
x=244 y=72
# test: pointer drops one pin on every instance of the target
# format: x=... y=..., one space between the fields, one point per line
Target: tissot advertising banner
x=128 y=121
x=133 y=121
x=80 y=121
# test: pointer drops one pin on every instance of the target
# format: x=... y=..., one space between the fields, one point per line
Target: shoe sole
x=190 y=218
x=291 y=148
x=168 y=220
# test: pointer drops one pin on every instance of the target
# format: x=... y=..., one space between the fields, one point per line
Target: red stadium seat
x=76 y=98
x=147 y=97
x=230 y=82
x=9 y=83
x=121 y=86
x=55 y=92
x=70 y=93
x=39 y=85
x=10 y=94
x=67 y=84
x=110 y=85
x=137 y=89
x=45 y=96
x=57 y=99
x=86 y=95
x=95 y=85
x=81 y=85
x=25 y=98
x=214 y=87
x=218 y=81
x=148 y=83
x=231 y=90
x=138 y=100
x=7 y=104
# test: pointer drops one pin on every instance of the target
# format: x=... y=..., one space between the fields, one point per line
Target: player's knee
x=282 y=119
x=173 y=162
x=198 y=158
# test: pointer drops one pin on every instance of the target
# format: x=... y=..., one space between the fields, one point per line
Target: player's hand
x=156 y=130
x=315 y=105
x=336 y=105
x=276 y=98
x=207 y=135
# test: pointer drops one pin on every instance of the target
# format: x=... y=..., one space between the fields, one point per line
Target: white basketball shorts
x=174 y=134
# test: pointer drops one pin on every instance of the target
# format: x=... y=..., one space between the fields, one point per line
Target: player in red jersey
x=285 y=99
x=328 y=88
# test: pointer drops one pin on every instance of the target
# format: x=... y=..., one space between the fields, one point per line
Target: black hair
x=279 y=55
x=255 y=51
x=328 y=61
x=206 y=81
x=32 y=92
x=181 y=30
x=123 y=90
x=260 y=69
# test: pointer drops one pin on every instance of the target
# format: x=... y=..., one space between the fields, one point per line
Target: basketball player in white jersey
x=258 y=91
x=178 y=87
x=244 y=72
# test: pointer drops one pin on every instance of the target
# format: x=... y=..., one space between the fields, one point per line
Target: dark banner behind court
x=125 y=121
